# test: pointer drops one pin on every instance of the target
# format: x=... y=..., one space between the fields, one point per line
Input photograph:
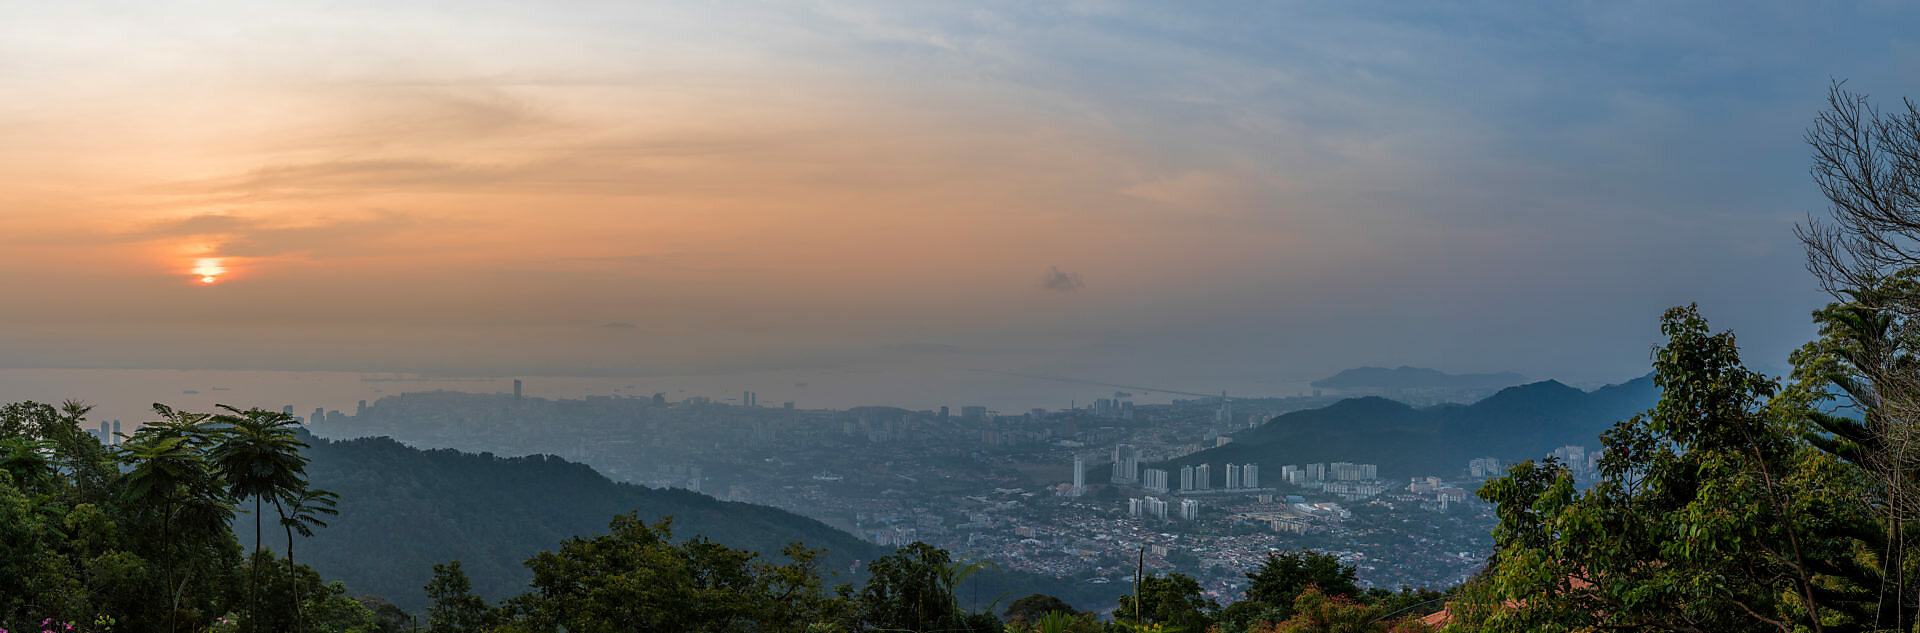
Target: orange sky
x=486 y=187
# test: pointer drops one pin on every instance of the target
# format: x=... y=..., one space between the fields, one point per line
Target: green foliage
x=1035 y=607
x=136 y=538
x=455 y=608
x=1714 y=514
x=1173 y=600
x=1315 y=611
x=635 y=578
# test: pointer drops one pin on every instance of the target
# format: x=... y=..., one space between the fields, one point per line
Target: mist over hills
x=1406 y=377
x=1520 y=422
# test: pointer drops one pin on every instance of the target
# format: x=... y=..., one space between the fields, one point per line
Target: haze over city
x=877 y=316
x=1227 y=197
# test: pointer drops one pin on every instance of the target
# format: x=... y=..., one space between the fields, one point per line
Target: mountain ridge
x=1518 y=422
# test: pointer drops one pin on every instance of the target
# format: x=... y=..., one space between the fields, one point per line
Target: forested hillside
x=403 y=510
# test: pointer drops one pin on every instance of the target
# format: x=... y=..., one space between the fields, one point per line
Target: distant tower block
x=116 y=432
x=516 y=391
x=319 y=415
x=106 y=436
x=361 y=410
x=1079 y=476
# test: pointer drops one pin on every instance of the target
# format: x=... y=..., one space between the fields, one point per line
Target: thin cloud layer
x=1274 y=189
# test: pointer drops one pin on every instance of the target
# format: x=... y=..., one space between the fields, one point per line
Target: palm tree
x=259 y=456
x=169 y=471
x=300 y=512
x=953 y=574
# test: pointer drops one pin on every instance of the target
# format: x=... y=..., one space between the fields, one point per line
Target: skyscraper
x=1186 y=478
x=105 y=437
x=116 y=432
x=1250 y=476
x=516 y=391
x=1202 y=478
x=1079 y=476
x=1233 y=477
x=1126 y=464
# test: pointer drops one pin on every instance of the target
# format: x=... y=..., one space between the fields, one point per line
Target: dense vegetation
x=140 y=537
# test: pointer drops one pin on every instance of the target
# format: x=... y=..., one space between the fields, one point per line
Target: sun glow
x=209 y=269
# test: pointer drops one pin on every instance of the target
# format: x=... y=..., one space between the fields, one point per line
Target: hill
x=403 y=509
x=1521 y=422
x=1414 y=378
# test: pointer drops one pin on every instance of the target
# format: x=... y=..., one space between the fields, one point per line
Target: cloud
x=1062 y=282
x=246 y=236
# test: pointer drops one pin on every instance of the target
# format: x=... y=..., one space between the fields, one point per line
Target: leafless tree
x=1867 y=163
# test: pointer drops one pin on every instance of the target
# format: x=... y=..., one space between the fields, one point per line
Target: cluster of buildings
x=1156 y=507
x=109 y=433
x=1583 y=464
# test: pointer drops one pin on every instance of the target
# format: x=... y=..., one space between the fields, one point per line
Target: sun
x=209 y=269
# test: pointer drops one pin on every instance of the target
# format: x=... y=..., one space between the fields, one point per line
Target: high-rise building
x=1233 y=477
x=1316 y=472
x=360 y=410
x=1154 y=479
x=1202 y=478
x=1190 y=509
x=516 y=391
x=1483 y=467
x=320 y=415
x=105 y=437
x=1126 y=464
x=1344 y=471
x=1186 y=478
x=1147 y=507
x=1079 y=476
x=116 y=432
x=1250 y=476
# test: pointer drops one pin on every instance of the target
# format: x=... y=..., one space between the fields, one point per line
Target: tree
x=1315 y=611
x=1714 y=513
x=456 y=608
x=1867 y=164
x=635 y=578
x=259 y=457
x=1174 y=600
x=908 y=589
x=1279 y=581
x=170 y=473
x=1032 y=608
x=300 y=511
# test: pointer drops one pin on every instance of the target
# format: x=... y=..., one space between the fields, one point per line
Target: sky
x=1185 y=195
